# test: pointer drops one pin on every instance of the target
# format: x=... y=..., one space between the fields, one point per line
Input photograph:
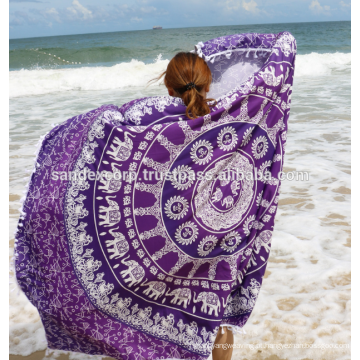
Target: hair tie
x=189 y=86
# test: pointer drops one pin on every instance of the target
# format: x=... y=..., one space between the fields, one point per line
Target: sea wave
x=137 y=74
x=123 y=75
x=315 y=64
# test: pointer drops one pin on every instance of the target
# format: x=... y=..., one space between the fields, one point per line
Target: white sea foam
x=124 y=75
x=137 y=74
x=315 y=64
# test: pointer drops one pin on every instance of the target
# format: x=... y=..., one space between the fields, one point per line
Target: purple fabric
x=149 y=269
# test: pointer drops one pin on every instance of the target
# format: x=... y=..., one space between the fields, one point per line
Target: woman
x=188 y=77
x=158 y=242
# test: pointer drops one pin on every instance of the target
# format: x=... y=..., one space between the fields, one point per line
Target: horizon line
x=187 y=27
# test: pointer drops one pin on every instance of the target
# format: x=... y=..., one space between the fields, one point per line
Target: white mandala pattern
x=230 y=242
x=186 y=233
x=235 y=209
x=176 y=207
x=201 y=152
x=259 y=147
x=183 y=177
x=78 y=214
x=227 y=138
x=207 y=245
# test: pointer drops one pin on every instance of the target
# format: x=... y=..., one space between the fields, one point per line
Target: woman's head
x=188 y=76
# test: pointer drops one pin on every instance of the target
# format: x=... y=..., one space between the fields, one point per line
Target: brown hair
x=188 y=74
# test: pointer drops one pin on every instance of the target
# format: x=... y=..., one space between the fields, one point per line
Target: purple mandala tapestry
x=143 y=231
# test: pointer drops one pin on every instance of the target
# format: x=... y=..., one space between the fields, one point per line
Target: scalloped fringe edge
x=234 y=328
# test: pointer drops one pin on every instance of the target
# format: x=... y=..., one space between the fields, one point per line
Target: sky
x=32 y=18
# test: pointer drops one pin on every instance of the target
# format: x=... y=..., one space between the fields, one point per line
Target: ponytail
x=189 y=77
x=196 y=104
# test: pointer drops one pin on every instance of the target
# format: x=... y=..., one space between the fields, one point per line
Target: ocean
x=305 y=298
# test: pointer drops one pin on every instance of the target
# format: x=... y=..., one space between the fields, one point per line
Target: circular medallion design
x=166 y=228
x=230 y=242
x=208 y=193
x=183 y=177
x=259 y=147
x=221 y=204
x=207 y=245
x=227 y=138
x=176 y=207
x=201 y=152
x=186 y=233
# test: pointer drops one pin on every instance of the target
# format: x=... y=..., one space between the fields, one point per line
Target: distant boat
x=157 y=27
